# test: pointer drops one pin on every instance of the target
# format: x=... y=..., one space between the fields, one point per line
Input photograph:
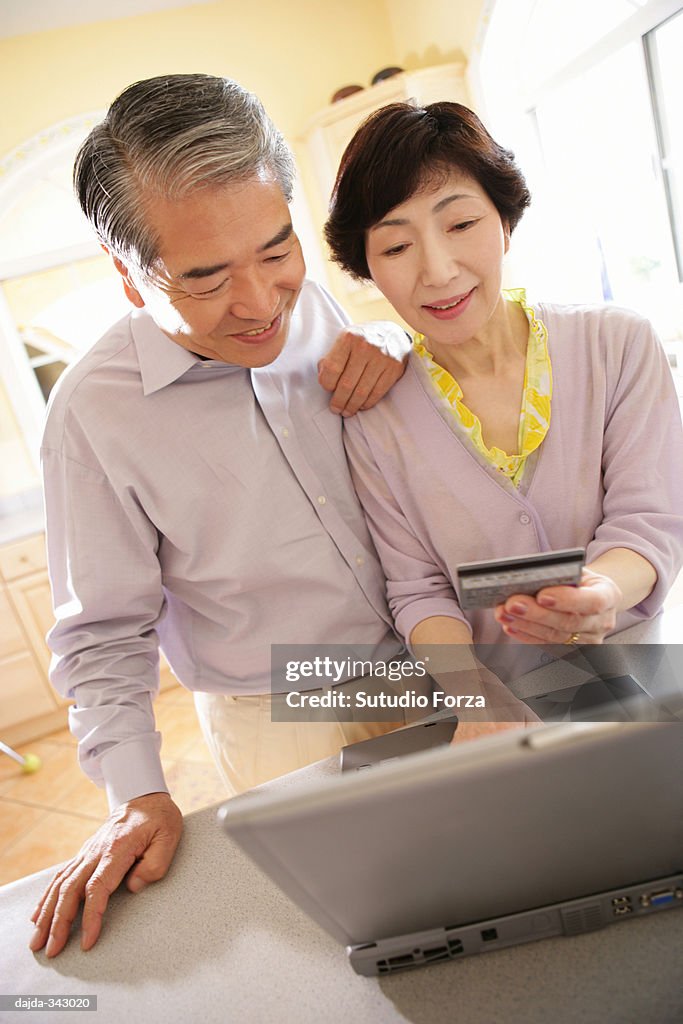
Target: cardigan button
x=524 y=519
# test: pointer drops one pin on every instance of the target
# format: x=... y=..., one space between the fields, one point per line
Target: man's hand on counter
x=138 y=839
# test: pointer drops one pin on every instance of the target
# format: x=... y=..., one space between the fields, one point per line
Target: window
x=56 y=285
x=585 y=95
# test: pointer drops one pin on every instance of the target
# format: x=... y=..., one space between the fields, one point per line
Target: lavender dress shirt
x=203 y=506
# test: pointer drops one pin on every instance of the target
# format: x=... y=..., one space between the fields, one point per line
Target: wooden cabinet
x=329 y=132
x=29 y=707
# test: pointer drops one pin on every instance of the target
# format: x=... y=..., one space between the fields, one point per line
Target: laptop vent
x=418 y=957
x=586 y=919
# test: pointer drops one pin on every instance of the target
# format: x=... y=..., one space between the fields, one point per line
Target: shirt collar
x=161 y=360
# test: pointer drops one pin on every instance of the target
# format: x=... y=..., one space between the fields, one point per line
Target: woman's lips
x=450 y=309
x=262 y=335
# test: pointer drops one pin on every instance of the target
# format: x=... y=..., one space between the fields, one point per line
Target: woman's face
x=438 y=258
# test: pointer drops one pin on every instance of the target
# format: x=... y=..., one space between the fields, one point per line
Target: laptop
x=523 y=835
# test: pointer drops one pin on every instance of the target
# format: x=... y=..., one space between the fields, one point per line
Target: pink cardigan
x=608 y=474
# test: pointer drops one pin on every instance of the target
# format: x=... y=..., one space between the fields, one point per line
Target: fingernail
x=507 y=618
x=51 y=947
x=136 y=885
x=547 y=602
x=36 y=940
x=518 y=609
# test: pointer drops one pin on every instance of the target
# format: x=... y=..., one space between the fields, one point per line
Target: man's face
x=228 y=274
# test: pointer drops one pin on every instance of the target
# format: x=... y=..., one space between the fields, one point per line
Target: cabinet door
x=23 y=557
x=24 y=694
x=33 y=603
x=12 y=638
x=32 y=600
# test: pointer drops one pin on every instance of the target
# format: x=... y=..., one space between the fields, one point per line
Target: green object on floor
x=29 y=764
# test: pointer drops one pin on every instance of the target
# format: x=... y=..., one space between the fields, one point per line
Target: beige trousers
x=249 y=748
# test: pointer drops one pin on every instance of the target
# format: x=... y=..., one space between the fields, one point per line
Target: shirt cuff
x=133 y=768
x=408 y=618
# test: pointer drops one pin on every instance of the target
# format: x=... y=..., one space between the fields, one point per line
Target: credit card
x=485 y=584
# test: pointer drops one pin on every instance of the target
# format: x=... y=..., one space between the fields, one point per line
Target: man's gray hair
x=169 y=136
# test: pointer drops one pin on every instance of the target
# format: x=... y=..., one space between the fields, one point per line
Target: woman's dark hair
x=396 y=152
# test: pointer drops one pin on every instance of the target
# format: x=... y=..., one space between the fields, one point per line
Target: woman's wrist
x=630 y=574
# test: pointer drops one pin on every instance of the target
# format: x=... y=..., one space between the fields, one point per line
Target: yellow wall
x=294 y=54
x=433 y=32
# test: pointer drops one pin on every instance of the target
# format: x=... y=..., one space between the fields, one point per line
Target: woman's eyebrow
x=450 y=199
x=391 y=222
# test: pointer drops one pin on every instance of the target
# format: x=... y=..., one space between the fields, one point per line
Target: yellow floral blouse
x=534 y=418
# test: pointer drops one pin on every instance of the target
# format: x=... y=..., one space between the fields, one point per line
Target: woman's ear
x=132 y=294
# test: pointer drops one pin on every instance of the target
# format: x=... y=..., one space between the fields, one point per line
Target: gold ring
x=572 y=639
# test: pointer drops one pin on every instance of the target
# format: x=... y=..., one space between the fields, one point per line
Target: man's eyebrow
x=392 y=222
x=283 y=234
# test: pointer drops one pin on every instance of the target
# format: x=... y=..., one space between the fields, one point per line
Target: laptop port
x=404 y=960
x=436 y=951
x=489 y=934
x=660 y=898
x=621 y=901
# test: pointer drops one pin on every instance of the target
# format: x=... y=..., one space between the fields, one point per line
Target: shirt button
x=321 y=499
x=524 y=519
x=360 y=560
x=546 y=659
x=285 y=432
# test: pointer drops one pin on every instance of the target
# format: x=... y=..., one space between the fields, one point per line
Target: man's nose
x=254 y=298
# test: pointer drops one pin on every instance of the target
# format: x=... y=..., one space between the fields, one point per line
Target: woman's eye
x=463 y=225
x=395 y=250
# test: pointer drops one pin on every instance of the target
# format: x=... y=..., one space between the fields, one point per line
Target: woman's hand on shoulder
x=561 y=615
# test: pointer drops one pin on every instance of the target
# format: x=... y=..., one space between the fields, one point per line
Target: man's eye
x=201 y=295
x=278 y=259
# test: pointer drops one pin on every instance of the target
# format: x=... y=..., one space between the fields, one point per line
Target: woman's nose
x=439 y=265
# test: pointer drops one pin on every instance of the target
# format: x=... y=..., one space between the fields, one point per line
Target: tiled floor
x=45 y=817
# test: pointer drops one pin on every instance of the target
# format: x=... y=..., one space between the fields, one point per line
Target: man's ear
x=132 y=294
x=506 y=234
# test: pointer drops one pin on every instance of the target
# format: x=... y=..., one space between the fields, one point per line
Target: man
x=197 y=493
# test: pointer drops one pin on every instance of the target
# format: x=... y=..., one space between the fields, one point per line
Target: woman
x=514 y=429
